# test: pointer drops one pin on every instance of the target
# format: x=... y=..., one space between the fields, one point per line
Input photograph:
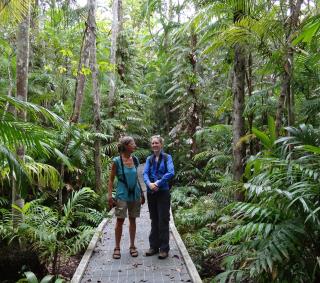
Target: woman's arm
x=146 y=178
x=169 y=174
x=146 y=170
x=113 y=172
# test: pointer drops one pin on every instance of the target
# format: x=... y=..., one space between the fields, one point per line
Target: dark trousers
x=159 y=209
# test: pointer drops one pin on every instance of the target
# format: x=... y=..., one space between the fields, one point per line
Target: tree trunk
x=35 y=28
x=238 y=108
x=194 y=121
x=113 y=55
x=121 y=66
x=96 y=97
x=9 y=107
x=23 y=46
x=285 y=88
x=166 y=28
x=250 y=90
x=83 y=67
x=290 y=28
x=238 y=87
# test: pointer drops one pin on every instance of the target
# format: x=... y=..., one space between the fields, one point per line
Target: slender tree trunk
x=238 y=108
x=286 y=92
x=96 y=98
x=121 y=66
x=83 y=67
x=34 y=26
x=285 y=89
x=113 y=55
x=166 y=28
x=250 y=89
x=23 y=46
x=194 y=121
x=9 y=107
x=238 y=129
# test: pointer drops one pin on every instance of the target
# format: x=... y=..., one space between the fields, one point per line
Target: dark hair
x=123 y=141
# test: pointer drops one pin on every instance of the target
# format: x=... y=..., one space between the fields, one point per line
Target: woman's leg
x=164 y=219
x=118 y=231
x=132 y=230
x=154 y=216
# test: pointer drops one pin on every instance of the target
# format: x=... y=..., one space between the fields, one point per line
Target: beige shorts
x=133 y=208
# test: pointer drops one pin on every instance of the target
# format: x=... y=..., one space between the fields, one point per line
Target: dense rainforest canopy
x=232 y=85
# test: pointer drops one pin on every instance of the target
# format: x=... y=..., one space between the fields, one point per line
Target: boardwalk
x=101 y=267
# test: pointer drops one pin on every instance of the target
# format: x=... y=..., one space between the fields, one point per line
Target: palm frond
x=15 y=9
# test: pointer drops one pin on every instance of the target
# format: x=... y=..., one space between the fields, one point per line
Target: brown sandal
x=116 y=253
x=133 y=251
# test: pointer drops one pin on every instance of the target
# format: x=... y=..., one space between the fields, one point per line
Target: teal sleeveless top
x=122 y=192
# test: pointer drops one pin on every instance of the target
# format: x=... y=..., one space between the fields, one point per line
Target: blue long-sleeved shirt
x=161 y=178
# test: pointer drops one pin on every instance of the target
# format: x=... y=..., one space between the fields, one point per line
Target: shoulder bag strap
x=165 y=162
x=124 y=175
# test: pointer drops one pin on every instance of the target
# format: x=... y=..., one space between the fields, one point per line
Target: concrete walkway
x=99 y=266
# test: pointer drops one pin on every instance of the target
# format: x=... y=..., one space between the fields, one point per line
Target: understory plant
x=54 y=232
x=275 y=236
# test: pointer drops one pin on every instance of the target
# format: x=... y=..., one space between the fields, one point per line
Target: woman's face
x=131 y=147
x=156 y=145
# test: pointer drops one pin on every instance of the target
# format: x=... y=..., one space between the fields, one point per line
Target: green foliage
x=13 y=9
x=279 y=222
x=47 y=229
x=309 y=30
x=32 y=137
x=184 y=197
x=32 y=278
x=175 y=63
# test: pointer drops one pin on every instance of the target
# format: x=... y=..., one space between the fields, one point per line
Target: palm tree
x=32 y=137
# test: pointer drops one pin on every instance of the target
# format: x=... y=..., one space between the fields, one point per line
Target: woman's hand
x=110 y=202
x=142 y=200
x=153 y=186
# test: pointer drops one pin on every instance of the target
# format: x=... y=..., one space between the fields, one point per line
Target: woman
x=128 y=192
x=158 y=171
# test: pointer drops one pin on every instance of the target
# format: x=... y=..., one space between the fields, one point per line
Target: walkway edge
x=193 y=272
x=77 y=276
